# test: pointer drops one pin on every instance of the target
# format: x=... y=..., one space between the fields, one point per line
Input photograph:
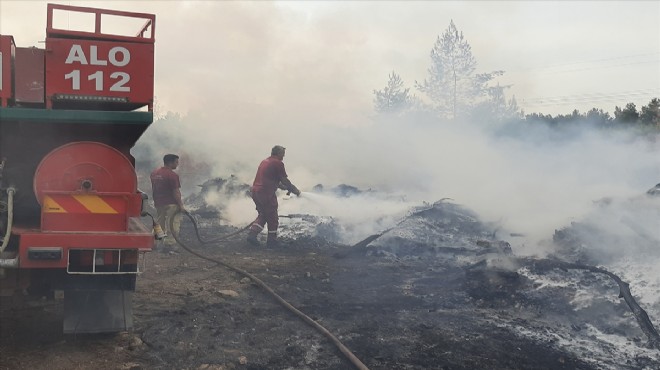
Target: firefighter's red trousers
x=266 y=203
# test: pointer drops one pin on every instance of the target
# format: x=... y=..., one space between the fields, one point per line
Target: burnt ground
x=392 y=313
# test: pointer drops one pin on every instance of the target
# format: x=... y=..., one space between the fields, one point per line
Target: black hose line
x=344 y=350
x=199 y=237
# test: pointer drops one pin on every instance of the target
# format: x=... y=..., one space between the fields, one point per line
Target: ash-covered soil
x=453 y=298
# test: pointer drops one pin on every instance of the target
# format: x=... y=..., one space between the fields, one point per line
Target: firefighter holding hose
x=270 y=176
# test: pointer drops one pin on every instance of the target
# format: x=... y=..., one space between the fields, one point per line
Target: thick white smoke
x=527 y=178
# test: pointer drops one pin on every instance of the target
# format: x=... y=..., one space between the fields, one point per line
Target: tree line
x=454 y=90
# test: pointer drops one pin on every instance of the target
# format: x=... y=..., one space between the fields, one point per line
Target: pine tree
x=627 y=115
x=451 y=83
x=394 y=97
x=453 y=87
x=496 y=106
x=651 y=113
x=599 y=117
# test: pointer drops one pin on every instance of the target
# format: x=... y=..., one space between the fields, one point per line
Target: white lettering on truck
x=77 y=54
x=118 y=56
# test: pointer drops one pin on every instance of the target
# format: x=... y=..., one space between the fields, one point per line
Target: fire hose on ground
x=344 y=350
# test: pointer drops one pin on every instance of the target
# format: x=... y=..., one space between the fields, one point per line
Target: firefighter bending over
x=270 y=176
x=166 y=189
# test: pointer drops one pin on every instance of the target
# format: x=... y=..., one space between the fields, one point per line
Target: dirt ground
x=190 y=313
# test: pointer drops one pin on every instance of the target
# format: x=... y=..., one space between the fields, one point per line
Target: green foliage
x=496 y=106
x=648 y=119
x=594 y=117
x=454 y=90
x=651 y=113
x=451 y=83
x=394 y=97
x=599 y=117
x=627 y=115
x=453 y=87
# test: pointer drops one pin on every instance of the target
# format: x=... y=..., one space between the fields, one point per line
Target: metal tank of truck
x=70 y=208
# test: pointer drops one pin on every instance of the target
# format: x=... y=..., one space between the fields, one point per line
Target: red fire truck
x=70 y=208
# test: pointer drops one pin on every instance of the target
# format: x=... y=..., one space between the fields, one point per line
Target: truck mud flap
x=97 y=311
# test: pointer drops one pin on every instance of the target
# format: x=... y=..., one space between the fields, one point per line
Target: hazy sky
x=248 y=75
x=263 y=58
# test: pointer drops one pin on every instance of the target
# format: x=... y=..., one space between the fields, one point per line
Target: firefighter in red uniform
x=270 y=176
x=167 y=196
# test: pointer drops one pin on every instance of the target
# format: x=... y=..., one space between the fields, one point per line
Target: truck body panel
x=70 y=211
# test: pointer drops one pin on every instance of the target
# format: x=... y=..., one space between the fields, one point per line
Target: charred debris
x=446 y=231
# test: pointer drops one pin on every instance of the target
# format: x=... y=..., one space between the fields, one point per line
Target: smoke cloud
x=245 y=76
x=527 y=178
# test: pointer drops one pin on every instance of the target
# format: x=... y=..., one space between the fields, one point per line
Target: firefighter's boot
x=252 y=239
x=272 y=242
x=253 y=231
